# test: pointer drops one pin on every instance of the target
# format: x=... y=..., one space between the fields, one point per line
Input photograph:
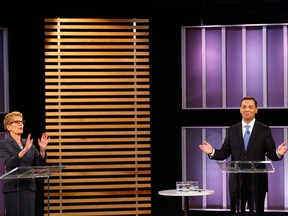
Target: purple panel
x=275 y=67
x=276 y=194
x=213 y=68
x=2 y=171
x=193 y=157
x=234 y=66
x=194 y=167
x=254 y=60
x=214 y=173
x=193 y=68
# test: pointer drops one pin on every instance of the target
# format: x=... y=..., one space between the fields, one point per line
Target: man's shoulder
x=239 y=124
x=260 y=125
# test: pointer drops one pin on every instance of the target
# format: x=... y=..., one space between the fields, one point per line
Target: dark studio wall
x=26 y=69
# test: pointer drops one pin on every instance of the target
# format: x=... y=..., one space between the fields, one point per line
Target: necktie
x=246 y=136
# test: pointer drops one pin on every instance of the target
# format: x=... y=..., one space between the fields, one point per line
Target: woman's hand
x=43 y=142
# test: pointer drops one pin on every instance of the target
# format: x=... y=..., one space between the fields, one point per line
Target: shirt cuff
x=212 y=153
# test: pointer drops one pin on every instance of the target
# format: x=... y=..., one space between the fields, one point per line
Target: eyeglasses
x=18 y=122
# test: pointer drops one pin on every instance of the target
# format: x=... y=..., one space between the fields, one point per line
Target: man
x=260 y=145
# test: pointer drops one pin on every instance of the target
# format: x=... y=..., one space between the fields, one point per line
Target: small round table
x=186 y=195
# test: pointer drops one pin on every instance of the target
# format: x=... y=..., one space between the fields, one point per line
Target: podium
x=32 y=172
x=241 y=170
x=246 y=166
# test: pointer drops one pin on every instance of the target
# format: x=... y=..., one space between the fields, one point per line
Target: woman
x=19 y=194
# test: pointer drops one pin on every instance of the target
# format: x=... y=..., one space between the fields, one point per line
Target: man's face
x=248 y=110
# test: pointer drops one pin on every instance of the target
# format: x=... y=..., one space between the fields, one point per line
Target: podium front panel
x=246 y=166
x=31 y=172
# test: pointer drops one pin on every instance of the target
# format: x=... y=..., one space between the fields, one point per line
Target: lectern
x=247 y=167
x=28 y=172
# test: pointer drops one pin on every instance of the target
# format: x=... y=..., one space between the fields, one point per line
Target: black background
x=25 y=21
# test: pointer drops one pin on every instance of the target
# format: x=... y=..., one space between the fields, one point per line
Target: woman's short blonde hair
x=9 y=118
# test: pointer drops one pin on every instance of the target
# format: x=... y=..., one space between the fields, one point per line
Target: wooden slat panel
x=84 y=107
x=130 y=93
x=103 y=213
x=86 y=67
x=100 y=193
x=110 y=153
x=89 y=180
x=92 y=60
x=75 y=33
x=113 y=119
x=105 y=40
x=97 y=73
x=101 y=140
x=82 y=100
x=82 y=21
x=102 y=53
x=102 y=87
x=90 y=27
x=101 y=133
x=100 y=126
x=98 y=146
x=98 y=47
x=101 y=200
x=113 y=206
x=97 y=102
x=136 y=112
x=96 y=160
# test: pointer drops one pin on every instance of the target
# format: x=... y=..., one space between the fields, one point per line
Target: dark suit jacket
x=9 y=150
x=261 y=144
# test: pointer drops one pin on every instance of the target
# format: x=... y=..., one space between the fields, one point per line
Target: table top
x=173 y=192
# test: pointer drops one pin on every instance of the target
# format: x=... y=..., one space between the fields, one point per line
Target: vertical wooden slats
x=97 y=103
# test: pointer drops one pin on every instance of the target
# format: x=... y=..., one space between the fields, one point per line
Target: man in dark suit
x=251 y=188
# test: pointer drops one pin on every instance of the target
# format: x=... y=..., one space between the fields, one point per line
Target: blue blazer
x=260 y=145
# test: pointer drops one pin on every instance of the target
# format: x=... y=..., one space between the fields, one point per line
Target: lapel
x=238 y=140
x=14 y=143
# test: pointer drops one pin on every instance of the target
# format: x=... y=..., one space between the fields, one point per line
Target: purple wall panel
x=214 y=173
x=254 y=60
x=275 y=67
x=255 y=80
x=234 y=66
x=2 y=81
x=256 y=75
x=2 y=171
x=194 y=169
x=213 y=68
x=276 y=194
x=193 y=68
x=193 y=156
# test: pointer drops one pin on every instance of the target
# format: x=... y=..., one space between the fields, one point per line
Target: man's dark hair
x=249 y=98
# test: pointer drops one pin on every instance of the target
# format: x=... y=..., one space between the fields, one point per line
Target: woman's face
x=16 y=125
